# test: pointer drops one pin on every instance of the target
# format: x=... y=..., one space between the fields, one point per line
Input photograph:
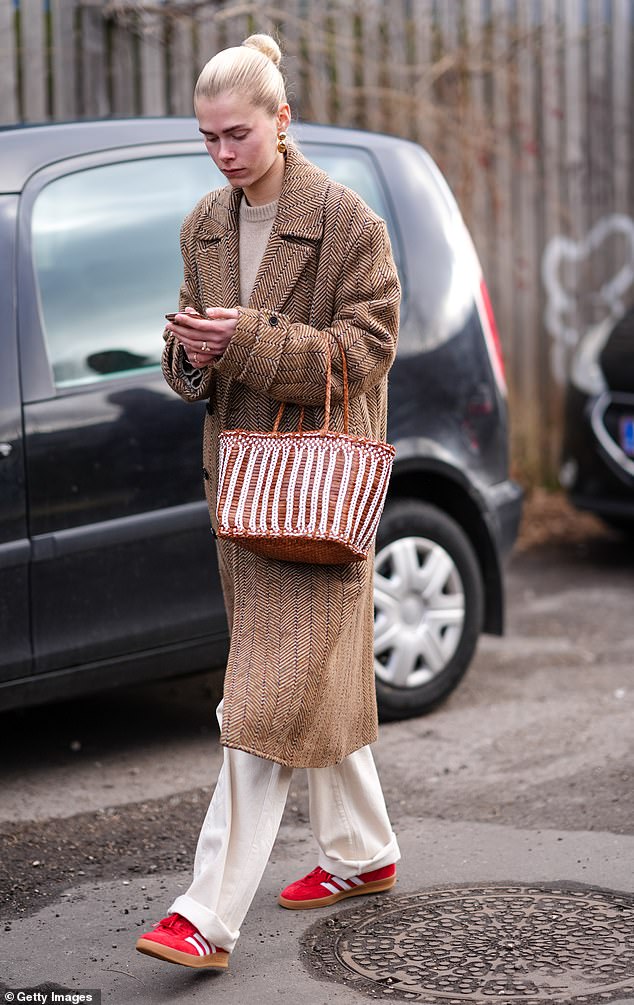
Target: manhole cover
x=564 y=943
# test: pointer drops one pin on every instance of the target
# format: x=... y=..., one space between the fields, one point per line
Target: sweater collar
x=258 y=214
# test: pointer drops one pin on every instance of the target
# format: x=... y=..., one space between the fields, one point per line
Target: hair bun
x=266 y=45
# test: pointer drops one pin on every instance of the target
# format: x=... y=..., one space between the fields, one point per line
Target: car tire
x=429 y=605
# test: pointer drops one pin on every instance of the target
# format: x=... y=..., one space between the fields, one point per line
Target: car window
x=107 y=261
x=107 y=257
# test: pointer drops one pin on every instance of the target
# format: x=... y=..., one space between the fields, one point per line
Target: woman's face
x=241 y=138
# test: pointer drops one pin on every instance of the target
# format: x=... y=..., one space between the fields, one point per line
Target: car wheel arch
x=447 y=488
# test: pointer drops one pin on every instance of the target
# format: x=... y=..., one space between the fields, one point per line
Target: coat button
x=274 y=320
x=205 y=474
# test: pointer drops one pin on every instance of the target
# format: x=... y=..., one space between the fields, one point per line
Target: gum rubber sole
x=213 y=961
x=357 y=891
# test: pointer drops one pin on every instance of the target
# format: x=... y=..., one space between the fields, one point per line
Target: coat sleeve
x=287 y=360
x=191 y=383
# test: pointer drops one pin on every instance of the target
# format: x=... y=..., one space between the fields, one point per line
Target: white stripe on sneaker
x=330 y=887
x=203 y=942
x=356 y=881
x=197 y=947
x=341 y=883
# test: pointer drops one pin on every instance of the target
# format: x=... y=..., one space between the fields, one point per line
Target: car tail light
x=485 y=310
x=490 y=328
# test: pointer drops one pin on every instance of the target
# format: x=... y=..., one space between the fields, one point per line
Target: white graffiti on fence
x=562 y=304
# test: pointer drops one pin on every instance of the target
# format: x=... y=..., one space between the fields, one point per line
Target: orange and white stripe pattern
x=324 y=486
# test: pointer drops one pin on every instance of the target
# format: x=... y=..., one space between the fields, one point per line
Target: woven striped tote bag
x=311 y=496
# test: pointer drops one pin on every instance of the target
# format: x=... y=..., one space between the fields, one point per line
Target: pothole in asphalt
x=529 y=944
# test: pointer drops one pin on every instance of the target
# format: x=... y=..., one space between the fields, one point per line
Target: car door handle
x=5 y=449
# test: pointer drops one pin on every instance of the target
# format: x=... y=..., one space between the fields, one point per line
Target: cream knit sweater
x=256 y=223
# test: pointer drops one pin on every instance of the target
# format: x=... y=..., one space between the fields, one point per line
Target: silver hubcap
x=419 y=611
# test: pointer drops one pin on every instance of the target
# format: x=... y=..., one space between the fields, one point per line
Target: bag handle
x=326 y=426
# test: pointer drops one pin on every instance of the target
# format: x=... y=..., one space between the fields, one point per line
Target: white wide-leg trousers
x=348 y=818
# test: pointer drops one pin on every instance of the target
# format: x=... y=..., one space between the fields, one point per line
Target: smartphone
x=171 y=317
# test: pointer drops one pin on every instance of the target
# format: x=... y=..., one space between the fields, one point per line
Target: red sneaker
x=319 y=888
x=176 y=940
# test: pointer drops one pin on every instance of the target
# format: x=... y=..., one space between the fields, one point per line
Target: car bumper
x=603 y=506
x=501 y=508
x=595 y=472
x=504 y=503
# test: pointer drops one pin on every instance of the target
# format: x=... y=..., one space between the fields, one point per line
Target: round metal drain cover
x=564 y=943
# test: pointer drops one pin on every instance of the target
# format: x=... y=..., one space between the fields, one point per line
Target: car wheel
x=428 y=607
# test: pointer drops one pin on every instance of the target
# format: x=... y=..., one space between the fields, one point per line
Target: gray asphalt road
x=524 y=776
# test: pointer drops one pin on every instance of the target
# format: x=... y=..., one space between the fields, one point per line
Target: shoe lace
x=319 y=873
x=178 y=924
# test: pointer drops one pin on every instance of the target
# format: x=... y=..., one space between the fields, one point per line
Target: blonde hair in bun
x=266 y=45
x=251 y=69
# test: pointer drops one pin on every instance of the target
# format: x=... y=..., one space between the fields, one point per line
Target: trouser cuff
x=388 y=855
x=207 y=922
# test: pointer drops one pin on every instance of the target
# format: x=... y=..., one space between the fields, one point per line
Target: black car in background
x=107 y=571
x=597 y=468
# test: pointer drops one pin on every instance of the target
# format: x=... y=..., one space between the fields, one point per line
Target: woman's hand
x=204 y=340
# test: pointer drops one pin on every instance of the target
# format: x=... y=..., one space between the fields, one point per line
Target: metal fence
x=525 y=104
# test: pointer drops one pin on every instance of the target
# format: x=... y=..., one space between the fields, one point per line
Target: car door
x=15 y=640
x=123 y=566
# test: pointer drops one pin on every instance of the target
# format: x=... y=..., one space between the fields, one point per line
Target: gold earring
x=281 y=143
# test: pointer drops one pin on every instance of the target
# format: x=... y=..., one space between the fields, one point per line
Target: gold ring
x=204 y=347
x=195 y=357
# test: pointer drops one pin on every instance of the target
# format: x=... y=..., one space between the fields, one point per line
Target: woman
x=280 y=266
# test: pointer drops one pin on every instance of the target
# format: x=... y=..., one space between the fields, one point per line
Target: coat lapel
x=295 y=238
x=296 y=234
x=217 y=250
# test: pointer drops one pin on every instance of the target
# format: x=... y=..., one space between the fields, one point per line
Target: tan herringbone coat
x=299 y=685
